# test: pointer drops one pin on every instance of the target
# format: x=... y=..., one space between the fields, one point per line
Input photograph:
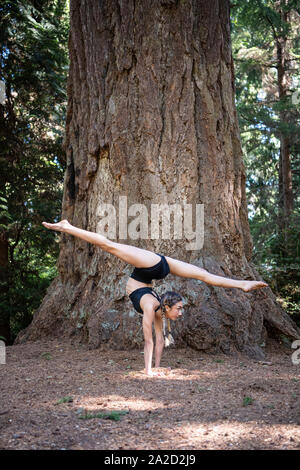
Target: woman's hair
x=169 y=298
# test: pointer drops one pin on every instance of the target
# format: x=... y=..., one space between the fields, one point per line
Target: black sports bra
x=137 y=294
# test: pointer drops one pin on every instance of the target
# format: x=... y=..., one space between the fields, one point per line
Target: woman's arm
x=159 y=340
x=148 y=319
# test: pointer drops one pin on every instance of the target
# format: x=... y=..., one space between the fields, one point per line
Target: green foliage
x=34 y=63
x=64 y=400
x=46 y=355
x=264 y=116
x=113 y=415
x=247 y=401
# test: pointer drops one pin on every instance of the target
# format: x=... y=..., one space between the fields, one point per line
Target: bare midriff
x=132 y=285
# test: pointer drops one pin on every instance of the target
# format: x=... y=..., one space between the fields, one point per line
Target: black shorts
x=158 y=271
x=137 y=294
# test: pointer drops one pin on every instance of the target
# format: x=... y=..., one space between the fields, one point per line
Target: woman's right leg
x=130 y=254
x=190 y=271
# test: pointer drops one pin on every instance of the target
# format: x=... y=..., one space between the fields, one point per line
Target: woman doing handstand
x=149 y=266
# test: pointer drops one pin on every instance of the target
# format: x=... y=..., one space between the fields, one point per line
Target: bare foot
x=59 y=226
x=251 y=285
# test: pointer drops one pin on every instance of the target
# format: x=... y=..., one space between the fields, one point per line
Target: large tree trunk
x=151 y=116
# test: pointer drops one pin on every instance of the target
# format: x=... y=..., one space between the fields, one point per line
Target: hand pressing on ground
x=158 y=372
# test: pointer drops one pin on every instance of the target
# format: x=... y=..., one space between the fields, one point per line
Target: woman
x=149 y=266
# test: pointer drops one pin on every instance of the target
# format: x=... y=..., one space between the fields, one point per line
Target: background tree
x=151 y=115
x=266 y=51
x=34 y=61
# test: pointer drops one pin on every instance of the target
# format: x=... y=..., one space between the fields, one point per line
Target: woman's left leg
x=130 y=254
x=187 y=270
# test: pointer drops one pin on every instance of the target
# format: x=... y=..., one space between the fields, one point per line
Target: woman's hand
x=159 y=373
x=150 y=373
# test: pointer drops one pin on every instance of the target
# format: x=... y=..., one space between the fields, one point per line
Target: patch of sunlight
x=115 y=401
x=232 y=429
x=174 y=374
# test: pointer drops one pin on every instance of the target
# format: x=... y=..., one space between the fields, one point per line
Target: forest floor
x=51 y=392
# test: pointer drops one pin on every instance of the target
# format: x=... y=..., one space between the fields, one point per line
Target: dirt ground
x=52 y=390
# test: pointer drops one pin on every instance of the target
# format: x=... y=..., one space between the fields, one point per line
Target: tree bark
x=151 y=116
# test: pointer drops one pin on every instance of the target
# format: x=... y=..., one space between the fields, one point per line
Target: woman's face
x=174 y=312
